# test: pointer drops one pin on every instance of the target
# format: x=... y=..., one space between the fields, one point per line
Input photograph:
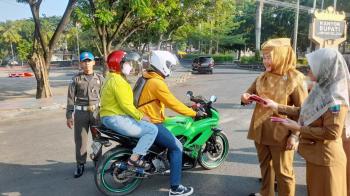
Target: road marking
x=226 y=120
x=11 y=194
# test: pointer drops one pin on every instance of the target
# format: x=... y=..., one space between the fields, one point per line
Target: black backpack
x=137 y=90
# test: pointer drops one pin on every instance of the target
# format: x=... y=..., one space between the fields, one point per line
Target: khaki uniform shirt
x=271 y=133
x=321 y=141
x=83 y=92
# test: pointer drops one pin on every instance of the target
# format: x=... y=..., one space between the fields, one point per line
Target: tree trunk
x=105 y=55
x=217 y=47
x=159 y=45
x=39 y=67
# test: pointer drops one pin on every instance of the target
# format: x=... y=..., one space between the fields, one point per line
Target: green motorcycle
x=203 y=143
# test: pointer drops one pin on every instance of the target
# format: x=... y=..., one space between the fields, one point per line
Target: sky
x=11 y=10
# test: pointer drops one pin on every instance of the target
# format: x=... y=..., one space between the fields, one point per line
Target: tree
x=24 y=49
x=115 y=21
x=10 y=35
x=44 y=45
x=179 y=18
x=217 y=22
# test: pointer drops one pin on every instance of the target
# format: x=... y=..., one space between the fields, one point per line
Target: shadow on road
x=55 y=178
x=249 y=156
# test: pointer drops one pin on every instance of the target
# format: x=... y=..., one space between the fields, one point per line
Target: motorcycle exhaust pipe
x=138 y=170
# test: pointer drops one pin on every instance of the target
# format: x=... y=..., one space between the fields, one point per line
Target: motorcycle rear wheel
x=106 y=176
x=209 y=159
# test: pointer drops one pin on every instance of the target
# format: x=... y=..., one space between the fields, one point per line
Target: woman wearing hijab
x=321 y=123
x=274 y=143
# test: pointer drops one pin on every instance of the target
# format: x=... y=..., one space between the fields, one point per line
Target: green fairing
x=183 y=126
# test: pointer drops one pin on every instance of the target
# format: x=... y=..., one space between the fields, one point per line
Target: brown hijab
x=281 y=81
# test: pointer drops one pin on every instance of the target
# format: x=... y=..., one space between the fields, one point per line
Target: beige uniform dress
x=322 y=147
x=270 y=141
x=346 y=145
x=285 y=85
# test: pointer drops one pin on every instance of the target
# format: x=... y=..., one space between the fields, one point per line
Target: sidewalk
x=17 y=95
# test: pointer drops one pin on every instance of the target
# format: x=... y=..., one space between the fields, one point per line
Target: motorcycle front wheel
x=214 y=152
x=111 y=180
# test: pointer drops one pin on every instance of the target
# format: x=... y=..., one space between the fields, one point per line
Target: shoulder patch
x=335 y=109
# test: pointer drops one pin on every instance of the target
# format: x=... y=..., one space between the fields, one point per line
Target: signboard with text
x=329 y=29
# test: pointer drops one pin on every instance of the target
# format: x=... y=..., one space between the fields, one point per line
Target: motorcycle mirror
x=213 y=98
x=189 y=93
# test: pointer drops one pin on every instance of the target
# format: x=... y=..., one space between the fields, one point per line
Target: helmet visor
x=133 y=58
x=169 y=65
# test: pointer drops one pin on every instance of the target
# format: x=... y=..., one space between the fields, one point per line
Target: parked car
x=203 y=64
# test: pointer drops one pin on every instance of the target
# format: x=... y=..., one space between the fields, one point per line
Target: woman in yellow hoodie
x=118 y=111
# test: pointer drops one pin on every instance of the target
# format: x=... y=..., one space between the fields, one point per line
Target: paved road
x=37 y=157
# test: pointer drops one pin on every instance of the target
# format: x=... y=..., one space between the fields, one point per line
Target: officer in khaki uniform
x=83 y=100
x=274 y=143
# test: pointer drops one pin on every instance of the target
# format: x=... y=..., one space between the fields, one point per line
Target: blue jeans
x=126 y=125
x=174 y=146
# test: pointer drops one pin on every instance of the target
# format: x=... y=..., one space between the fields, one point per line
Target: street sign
x=326 y=29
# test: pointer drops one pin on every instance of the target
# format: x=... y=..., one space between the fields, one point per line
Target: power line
x=291 y=5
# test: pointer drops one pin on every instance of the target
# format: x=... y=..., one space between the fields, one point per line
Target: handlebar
x=201 y=104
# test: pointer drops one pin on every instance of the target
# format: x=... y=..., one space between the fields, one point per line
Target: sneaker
x=254 y=194
x=181 y=191
x=79 y=171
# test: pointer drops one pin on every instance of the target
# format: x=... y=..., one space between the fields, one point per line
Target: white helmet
x=162 y=61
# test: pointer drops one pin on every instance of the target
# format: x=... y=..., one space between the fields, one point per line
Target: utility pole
x=322 y=4
x=259 y=10
x=77 y=25
x=13 y=54
x=335 y=5
x=314 y=6
x=296 y=23
x=199 y=42
x=211 y=37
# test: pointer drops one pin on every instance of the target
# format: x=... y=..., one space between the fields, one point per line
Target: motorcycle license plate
x=96 y=146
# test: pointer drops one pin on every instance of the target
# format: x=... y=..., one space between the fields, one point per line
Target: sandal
x=139 y=163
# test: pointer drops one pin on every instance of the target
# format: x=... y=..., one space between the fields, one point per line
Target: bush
x=191 y=56
x=250 y=60
x=218 y=58
x=302 y=62
x=223 y=58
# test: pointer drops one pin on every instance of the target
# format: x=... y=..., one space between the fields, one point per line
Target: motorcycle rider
x=154 y=97
x=118 y=111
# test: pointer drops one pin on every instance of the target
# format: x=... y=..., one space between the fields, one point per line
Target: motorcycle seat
x=113 y=134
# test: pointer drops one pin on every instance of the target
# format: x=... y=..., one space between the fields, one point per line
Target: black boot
x=80 y=170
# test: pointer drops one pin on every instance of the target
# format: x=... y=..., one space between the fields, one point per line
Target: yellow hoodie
x=117 y=98
x=157 y=93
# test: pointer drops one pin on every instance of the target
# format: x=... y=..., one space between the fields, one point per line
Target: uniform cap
x=86 y=55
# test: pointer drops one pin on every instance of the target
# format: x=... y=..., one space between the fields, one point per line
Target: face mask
x=126 y=69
